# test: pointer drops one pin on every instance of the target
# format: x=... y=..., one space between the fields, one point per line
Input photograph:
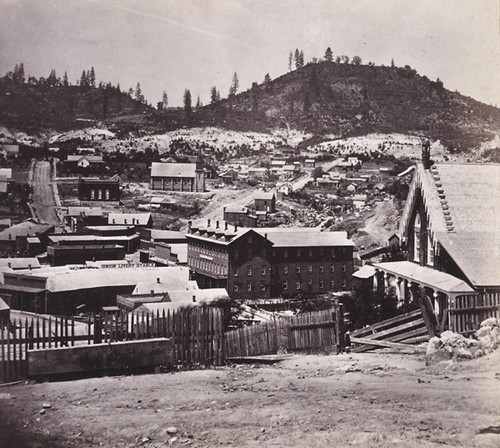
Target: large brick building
x=256 y=264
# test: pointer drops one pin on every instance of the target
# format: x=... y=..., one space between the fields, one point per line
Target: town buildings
x=98 y=190
x=257 y=264
x=187 y=177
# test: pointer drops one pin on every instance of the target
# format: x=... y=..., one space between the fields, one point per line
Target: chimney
x=190 y=223
x=194 y=298
x=158 y=280
x=225 y=225
x=216 y=224
x=426 y=154
x=265 y=236
x=235 y=228
x=208 y=223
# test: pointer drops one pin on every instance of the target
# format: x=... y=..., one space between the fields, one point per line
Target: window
x=262 y=286
x=321 y=269
x=310 y=281
x=343 y=268
x=344 y=282
x=298 y=269
x=310 y=269
x=285 y=253
x=92 y=196
x=235 y=287
x=416 y=239
x=249 y=271
x=99 y=194
x=106 y=194
x=263 y=270
x=297 y=285
x=249 y=286
x=285 y=285
x=310 y=253
x=285 y=269
x=333 y=253
x=332 y=284
x=332 y=268
x=321 y=283
x=430 y=251
x=236 y=272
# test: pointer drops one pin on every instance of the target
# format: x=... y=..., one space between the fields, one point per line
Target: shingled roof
x=462 y=204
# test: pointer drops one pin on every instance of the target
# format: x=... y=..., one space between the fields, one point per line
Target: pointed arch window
x=416 y=239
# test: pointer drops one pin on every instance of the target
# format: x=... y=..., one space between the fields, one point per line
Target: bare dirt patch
x=370 y=400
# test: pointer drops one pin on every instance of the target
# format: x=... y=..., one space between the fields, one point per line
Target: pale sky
x=172 y=45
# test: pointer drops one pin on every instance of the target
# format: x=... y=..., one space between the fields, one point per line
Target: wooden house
x=450 y=229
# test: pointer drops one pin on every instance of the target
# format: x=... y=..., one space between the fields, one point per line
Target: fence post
x=339 y=327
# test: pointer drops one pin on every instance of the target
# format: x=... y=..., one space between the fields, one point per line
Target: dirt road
x=43 y=195
x=367 y=400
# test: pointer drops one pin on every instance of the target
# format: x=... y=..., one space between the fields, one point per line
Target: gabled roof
x=462 y=206
x=159 y=169
x=25 y=228
x=89 y=158
x=265 y=196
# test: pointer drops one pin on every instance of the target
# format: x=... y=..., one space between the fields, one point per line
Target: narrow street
x=43 y=196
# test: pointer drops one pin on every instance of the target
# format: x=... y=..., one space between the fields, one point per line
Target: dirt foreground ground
x=368 y=400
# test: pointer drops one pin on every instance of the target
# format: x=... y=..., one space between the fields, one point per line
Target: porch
x=437 y=293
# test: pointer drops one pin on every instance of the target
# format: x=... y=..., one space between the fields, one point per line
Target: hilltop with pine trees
x=338 y=96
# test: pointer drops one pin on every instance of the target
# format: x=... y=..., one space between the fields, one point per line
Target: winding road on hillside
x=43 y=204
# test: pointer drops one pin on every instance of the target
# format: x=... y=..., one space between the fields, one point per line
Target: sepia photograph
x=249 y=223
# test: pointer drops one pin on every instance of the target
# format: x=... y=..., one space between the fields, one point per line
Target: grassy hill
x=349 y=100
x=32 y=108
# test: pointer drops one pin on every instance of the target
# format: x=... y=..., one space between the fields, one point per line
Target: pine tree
x=188 y=109
x=214 y=96
x=329 y=55
x=131 y=92
x=164 y=100
x=198 y=102
x=234 y=85
x=392 y=63
x=65 y=79
x=301 y=59
x=83 y=79
x=290 y=59
x=138 y=96
x=267 y=79
x=296 y=58
x=52 y=79
x=92 y=77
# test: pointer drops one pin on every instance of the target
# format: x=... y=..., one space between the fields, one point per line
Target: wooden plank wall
x=316 y=331
x=197 y=334
x=468 y=311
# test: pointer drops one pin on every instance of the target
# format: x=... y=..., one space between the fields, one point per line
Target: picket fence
x=468 y=311
x=197 y=334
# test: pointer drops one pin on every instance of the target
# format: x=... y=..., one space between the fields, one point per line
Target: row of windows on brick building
x=298 y=268
x=298 y=285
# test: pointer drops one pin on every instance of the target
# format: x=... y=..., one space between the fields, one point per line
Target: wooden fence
x=468 y=311
x=197 y=334
x=408 y=328
x=316 y=331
